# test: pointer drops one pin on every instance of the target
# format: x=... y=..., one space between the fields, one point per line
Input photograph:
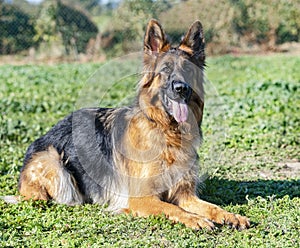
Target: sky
x=34 y=1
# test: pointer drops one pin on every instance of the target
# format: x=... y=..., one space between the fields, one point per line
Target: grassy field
x=250 y=155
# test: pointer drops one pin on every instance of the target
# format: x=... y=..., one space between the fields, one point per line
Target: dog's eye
x=167 y=68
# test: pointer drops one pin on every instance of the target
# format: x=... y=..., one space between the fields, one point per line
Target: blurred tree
x=289 y=23
x=46 y=23
x=16 y=29
x=257 y=23
x=75 y=27
x=60 y=20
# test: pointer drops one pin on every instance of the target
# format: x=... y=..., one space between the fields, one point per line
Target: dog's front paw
x=197 y=222
x=236 y=221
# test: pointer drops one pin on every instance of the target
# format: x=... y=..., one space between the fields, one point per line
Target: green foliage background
x=236 y=23
x=74 y=26
x=16 y=30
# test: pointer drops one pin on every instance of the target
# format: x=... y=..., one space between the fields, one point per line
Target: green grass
x=251 y=154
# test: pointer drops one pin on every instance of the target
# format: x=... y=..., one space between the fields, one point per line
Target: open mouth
x=179 y=110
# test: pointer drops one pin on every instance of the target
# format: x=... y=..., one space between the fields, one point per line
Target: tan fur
x=186 y=49
x=156 y=112
x=44 y=178
x=154 y=206
x=210 y=211
x=39 y=180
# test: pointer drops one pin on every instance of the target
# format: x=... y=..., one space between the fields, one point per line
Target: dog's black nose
x=182 y=89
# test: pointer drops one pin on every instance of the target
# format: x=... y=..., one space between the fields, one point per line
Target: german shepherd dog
x=141 y=159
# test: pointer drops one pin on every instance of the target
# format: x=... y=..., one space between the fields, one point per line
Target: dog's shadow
x=224 y=192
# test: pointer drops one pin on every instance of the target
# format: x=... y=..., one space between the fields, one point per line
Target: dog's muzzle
x=181 y=90
x=176 y=100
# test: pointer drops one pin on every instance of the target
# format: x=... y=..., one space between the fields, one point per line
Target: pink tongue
x=180 y=111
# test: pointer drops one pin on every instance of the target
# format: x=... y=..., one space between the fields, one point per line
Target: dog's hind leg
x=44 y=177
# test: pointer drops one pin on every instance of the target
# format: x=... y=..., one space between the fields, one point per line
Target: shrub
x=17 y=30
x=289 y=23
x=75 y=27
x=258 y=22
x=60 y=22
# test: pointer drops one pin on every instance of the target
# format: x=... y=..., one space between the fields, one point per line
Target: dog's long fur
x=140 y=159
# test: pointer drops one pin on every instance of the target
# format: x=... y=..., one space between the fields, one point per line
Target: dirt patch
x=290 y=168
x=253 y=165
x=283 y=170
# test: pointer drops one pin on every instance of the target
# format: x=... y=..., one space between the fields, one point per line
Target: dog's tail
x=10 y=199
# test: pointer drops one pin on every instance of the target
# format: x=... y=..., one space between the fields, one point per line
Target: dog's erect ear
x=155 y=40
x=193 y=42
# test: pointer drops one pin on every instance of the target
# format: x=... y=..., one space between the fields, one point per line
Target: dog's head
x=171 y=90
